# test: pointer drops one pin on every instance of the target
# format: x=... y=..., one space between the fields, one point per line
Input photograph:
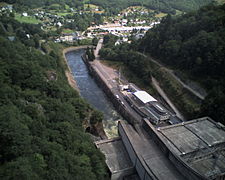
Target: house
x=25 y=14
x=59 y=24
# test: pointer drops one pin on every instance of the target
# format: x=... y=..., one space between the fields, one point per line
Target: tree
x=96 y=117
x=213 y=105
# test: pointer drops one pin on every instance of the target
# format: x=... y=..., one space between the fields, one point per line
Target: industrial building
x=147 y=106
x=194 y=150
x=198 y=145
x=117 y=159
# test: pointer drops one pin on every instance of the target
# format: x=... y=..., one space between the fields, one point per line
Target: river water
x=90 y=91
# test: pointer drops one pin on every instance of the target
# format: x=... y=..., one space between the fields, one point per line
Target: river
x=90 y=91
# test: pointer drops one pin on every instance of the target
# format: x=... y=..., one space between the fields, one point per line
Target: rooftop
x=200 y=143
x=158 y=107
x=149 y=152
x=116 y=155
x=144 y=96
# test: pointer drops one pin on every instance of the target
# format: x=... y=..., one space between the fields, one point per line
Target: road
x=99 y=46
x=165 y=97
x=109 y=76
x=171 y=72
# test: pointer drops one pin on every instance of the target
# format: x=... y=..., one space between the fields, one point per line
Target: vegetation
x=26 y=19
x=83 y=21
x=162 y=5
x=41 y=116
x=90 y=54
x=194 y=43
x=125 y=53
x=114 y=7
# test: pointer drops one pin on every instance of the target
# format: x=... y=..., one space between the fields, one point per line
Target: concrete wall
x=119 y=175
x=136 y=159
x=109 y=92
x=184 y=169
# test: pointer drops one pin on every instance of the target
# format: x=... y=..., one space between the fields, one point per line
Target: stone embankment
x=109 y=91
x=96 y=129
x=68 y=72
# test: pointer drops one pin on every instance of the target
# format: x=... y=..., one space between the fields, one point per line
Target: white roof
x=144 y=96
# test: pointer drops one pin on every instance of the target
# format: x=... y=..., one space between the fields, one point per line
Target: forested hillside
x=162 y=5
x=194 y=43
x=116 y=5
x=41 y=116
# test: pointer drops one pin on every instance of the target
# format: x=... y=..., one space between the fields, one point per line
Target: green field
x=63 y=13
x=160 y=15
x=27 y=19
x=3 y=4
x=221 y=1
x=91 y=6
x=67 y=31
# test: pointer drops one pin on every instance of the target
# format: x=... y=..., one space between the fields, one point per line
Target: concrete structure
x=117 y=158
x=195 y=147
x=147 y=106
x=148 y=159
x=125 y=28
x=192 y=150
x=144 y=97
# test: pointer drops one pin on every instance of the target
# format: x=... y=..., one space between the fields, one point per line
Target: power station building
x=193 y=150
x=148 y=107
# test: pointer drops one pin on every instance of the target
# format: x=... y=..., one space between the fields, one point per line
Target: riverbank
x=96 y=129
x=68 y=72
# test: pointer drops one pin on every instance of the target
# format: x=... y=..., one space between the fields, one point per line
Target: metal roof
x=201 y=143
x=144 y=97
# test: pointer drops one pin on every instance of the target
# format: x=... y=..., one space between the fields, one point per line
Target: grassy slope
x=28 y=19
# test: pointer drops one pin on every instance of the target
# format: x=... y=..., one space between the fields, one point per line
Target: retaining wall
x=109 y=92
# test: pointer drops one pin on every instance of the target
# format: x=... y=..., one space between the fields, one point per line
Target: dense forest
x=41 y=116
x=126 y=53
x=161 y=5
x=116 y=5
x=193 y=44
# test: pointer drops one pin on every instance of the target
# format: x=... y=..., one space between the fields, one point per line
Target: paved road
x=99 y=46
x=108 y=75
x=171 y=72
x=162 y=93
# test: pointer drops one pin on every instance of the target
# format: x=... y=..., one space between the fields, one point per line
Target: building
x=159 y=109
x=196 y=148
x=143 y=97
x=147 y=106
x=68 y=37
x=25 y=14
x=117 y=159
x=193 y=150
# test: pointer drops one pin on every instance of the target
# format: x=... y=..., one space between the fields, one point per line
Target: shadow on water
x=90 y=91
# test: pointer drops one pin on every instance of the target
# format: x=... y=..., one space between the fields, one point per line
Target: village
x=66 y=26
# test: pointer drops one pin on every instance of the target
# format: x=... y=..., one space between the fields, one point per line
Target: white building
x=25 y=14
x=144 y=97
